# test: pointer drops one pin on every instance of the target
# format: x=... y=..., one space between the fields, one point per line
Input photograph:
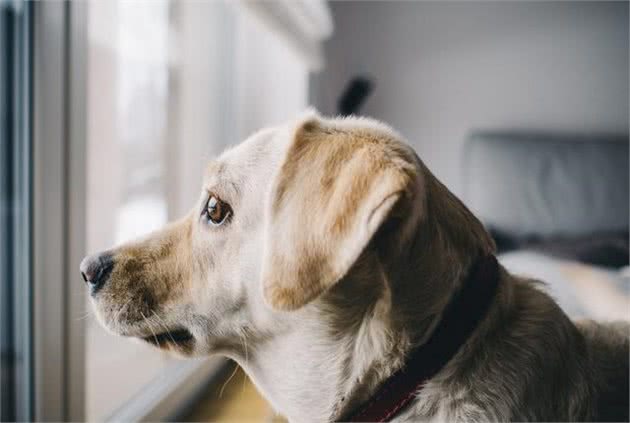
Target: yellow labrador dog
x=328 y=261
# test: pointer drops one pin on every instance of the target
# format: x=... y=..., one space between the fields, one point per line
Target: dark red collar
x=460 y=318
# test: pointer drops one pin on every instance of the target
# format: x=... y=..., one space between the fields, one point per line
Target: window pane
x=128 y=105
x=170 y=84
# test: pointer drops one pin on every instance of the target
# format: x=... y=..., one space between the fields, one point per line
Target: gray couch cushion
x=534 y=184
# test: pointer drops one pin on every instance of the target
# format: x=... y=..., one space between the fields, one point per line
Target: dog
x=320 y=255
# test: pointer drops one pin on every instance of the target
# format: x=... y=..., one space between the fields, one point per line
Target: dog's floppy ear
x=334 y=189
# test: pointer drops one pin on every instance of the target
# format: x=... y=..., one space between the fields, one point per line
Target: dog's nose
x=95 y=270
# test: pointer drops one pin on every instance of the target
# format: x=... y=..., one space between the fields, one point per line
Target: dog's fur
x=342 y=253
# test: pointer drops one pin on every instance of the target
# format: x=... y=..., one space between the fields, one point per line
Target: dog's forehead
x=255 y=157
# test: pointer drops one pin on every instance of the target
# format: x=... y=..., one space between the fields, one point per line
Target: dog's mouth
x=179 y=338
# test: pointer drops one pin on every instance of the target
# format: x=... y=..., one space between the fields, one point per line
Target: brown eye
x=217 y=211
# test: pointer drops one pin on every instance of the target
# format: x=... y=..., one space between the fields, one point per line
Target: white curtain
x=302 y=24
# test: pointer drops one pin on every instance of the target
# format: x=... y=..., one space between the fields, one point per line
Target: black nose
x=95 y=270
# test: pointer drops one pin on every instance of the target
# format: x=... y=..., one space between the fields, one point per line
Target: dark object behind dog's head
x=354 y=96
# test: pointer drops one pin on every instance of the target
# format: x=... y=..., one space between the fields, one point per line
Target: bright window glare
x=129 y=99
x=139 y=216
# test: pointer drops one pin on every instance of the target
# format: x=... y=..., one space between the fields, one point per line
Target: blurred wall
x=444 y=68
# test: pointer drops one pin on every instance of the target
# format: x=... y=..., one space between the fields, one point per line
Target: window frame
x=58 y=216
x=15 y=229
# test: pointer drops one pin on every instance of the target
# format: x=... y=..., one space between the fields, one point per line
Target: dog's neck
x=309 y=375
x=324 y=370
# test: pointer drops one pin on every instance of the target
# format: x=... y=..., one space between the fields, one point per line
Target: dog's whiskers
x=161 y=323
x=85 y=315
x=150 y=328
x=228 y=380
x=243 y=337
x=121 y=309
x=119 y=312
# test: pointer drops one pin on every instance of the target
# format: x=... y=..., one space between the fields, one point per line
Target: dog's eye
x=217 y=211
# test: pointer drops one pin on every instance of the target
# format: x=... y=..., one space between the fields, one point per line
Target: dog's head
x=301 y=217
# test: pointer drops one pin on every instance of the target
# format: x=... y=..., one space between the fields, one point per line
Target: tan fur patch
x=152 y=272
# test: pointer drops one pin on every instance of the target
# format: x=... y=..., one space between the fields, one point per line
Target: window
x=169 y=85
x=110 y=111
x=131 y=155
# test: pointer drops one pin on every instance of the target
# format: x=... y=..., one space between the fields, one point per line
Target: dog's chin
x=176 y=339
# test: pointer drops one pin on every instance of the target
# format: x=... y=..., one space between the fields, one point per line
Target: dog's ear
x=334 y=189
